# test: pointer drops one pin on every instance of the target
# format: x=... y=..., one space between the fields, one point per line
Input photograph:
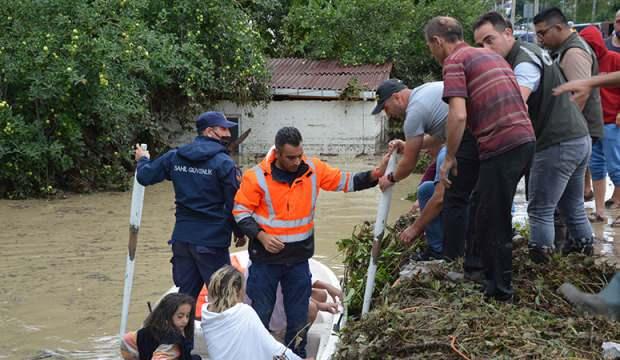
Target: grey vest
x=592 y=111
x=555 y=118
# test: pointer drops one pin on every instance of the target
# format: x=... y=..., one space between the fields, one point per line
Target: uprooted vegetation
x=429 y=317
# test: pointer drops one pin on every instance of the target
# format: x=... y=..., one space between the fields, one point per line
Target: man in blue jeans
x=430 y=198
x=562 y=143
x=205 y=179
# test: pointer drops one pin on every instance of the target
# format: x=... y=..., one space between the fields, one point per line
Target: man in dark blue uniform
x=205 y=180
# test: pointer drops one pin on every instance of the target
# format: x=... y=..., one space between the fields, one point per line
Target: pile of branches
x=429 y=317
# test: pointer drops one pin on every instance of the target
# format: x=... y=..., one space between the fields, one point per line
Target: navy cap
x=211 y=119
x=385 y=90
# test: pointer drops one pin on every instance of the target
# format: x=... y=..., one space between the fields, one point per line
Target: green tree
x=374 y=31
x=268 y=17
x=81 y=81
x=604 y=10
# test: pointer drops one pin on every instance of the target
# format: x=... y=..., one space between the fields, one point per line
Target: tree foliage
x=81 y=81
x=267 y=17
x=580 y=11
x=373 y=31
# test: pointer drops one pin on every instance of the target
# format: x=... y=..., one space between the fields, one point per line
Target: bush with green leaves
x=374 y=31
x=82 y=81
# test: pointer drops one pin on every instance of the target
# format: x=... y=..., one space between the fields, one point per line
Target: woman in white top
x=232 y=329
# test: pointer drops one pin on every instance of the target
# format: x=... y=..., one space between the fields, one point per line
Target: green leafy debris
x=429 y=317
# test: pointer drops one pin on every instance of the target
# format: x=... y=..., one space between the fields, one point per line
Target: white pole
x=137 y=199
x=513 y=11
x=382 y=214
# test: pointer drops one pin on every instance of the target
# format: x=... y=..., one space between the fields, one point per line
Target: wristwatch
x=390 y=177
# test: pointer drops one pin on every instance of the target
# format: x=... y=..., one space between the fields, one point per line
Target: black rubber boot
x=582 y=245
x=540 y=254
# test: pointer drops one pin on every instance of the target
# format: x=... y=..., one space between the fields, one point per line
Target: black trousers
x=456 y=203
x=491 y=243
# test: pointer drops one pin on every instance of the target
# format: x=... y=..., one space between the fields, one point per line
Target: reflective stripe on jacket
x=282 y=210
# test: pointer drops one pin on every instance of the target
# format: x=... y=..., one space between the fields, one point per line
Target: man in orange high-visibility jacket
x=275 y=208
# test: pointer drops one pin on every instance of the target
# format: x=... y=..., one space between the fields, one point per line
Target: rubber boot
x=539 y=254
x=606 y=303
x=611 y=296
x=581 y=245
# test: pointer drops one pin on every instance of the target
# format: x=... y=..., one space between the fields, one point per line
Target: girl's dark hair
x=160 y=320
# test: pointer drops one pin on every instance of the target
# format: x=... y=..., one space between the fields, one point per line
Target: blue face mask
x=617 y=34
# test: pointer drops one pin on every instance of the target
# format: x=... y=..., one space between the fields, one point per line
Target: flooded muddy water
x=63 y=262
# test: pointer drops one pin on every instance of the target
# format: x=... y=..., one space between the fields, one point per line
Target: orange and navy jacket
x=266 y=201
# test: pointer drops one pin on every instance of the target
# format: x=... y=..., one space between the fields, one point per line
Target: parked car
x=525 y=35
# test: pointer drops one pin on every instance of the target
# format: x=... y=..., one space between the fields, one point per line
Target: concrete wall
x=327 y=127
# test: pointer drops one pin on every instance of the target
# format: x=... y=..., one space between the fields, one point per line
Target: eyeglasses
x=541 y=34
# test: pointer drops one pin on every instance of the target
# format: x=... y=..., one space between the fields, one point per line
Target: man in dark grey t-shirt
x=424 y=114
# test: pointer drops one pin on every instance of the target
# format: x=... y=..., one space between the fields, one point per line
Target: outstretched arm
x=334 y=179
x=581 y=88
x=411 y=151
x=429 y=213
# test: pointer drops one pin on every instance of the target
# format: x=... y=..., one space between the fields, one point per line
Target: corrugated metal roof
x=292 y=73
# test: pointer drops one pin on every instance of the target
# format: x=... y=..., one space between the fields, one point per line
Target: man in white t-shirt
x=424 y=113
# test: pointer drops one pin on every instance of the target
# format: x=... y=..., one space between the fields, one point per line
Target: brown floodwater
x=63 y=262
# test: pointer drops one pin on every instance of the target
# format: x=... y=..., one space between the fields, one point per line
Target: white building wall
x=327 y=127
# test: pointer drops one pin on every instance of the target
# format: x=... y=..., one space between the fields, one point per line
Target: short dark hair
x=445 y=27
x=551 y=16
x=288 y=135
x=496 y=20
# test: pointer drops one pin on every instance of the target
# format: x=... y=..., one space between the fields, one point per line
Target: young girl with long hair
x=167 y=334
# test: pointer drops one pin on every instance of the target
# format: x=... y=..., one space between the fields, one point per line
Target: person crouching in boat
x=232 y=329
x=167 y=334
x=277 y=324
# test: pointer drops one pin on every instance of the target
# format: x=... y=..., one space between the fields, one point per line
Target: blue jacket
x=205 y=180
